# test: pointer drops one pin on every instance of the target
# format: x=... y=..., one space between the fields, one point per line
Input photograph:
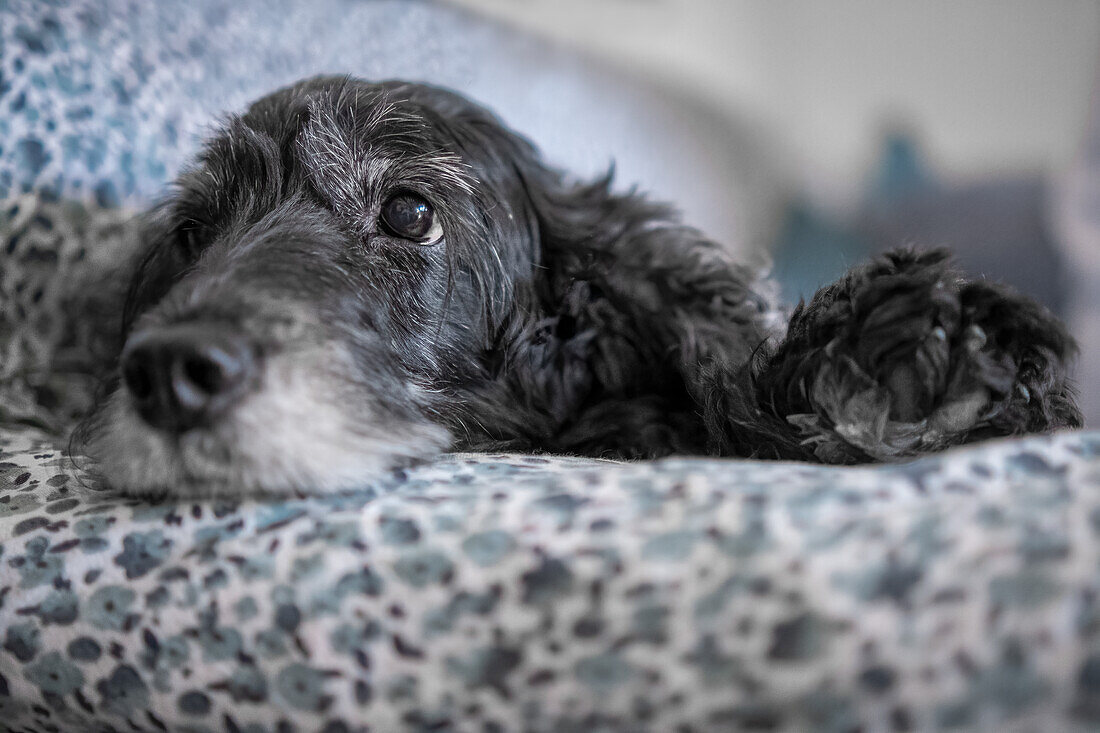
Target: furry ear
x=630 y=313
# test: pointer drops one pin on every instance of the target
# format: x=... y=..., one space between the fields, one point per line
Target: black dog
x=357 y=275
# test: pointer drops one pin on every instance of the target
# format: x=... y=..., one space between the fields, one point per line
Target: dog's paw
x=904 y=357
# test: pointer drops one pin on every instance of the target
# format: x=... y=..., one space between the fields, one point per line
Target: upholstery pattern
x=501 y=593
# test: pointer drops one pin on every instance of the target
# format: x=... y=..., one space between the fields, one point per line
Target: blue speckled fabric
x=509 y=592
x=473 y=593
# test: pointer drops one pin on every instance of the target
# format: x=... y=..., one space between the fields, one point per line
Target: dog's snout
x=183 y=376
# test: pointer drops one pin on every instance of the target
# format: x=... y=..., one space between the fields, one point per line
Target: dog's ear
x=630 y=302
x=612 y=307
x=672 y=287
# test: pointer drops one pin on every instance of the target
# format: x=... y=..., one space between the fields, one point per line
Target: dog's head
x=337 y=261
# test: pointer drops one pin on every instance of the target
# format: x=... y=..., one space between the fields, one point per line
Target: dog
x=356 y=276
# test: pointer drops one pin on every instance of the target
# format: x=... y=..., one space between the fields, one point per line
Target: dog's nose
x=186 y=375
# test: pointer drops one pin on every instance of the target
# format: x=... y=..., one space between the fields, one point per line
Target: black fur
x=557 y=315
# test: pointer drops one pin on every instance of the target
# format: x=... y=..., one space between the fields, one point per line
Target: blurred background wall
x=991 y=84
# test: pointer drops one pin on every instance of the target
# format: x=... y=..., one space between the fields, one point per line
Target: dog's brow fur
x=355 y=146
x=553 y=315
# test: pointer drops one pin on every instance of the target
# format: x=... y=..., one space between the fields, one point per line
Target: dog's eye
x=408 y=216
x=188 y=241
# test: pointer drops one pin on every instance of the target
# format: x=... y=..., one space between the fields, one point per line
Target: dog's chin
x=289 y=441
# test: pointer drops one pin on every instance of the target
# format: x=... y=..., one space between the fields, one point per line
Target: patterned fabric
x=507 y=593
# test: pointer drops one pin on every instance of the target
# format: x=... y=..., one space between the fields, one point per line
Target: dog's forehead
x=374 y=124
x=395 y=114
x=350 y=141
x=354 y=146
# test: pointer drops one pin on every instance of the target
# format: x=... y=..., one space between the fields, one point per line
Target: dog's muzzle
x=186 y=375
